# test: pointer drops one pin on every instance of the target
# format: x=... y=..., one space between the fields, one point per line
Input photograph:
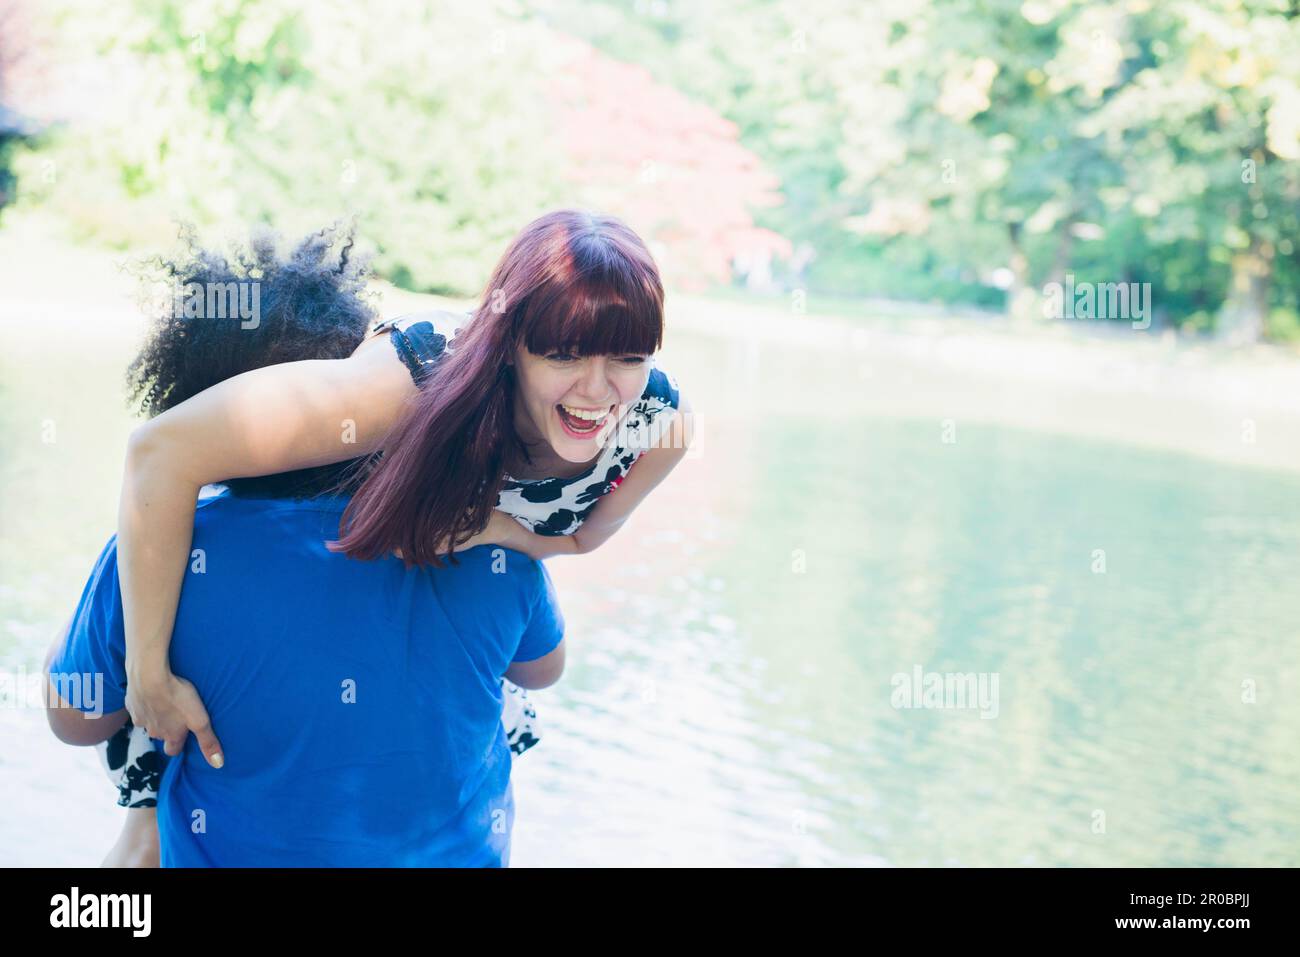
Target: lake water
x=736 y=651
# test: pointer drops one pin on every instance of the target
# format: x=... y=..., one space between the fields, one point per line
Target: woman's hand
x=501 y=529
x=509 y=533
x=169 y=708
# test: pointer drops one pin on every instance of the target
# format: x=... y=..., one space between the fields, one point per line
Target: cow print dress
x=551 y=506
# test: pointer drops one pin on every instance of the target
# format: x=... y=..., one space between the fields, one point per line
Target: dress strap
x=419 y=347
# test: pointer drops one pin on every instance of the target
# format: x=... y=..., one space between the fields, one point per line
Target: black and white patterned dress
x=551 y=506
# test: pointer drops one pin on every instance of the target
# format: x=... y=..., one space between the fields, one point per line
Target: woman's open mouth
x=581 y=423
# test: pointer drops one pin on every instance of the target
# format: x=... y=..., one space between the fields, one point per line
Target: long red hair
x=570 y=281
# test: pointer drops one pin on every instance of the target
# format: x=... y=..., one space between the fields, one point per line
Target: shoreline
x=1234 y=405
x=1240 y=407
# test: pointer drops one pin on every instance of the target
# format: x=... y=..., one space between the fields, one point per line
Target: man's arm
x=70 y=724
x=73 y=726
x=539 y=656
x=539 y=673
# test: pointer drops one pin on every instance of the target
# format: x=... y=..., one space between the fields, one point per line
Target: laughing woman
x=516 y=424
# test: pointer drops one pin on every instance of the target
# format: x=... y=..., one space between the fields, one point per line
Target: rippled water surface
x=733 y=650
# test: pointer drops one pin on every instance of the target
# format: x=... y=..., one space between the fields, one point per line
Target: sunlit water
x=733 y=650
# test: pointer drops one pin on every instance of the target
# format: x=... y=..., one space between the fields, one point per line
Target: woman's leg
x=135 y=768
x=520 y=719
x=137 y=844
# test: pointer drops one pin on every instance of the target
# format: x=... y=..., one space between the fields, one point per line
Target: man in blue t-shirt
x=358 y=703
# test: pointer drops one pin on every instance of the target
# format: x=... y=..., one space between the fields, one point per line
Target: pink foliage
x=671 y=167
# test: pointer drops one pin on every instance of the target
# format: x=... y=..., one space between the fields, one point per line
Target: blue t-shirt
x=358 y=704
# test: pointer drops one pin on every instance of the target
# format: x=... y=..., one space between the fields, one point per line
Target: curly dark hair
x=225 y=315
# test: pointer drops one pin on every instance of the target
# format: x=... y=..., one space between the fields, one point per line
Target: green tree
x=1208 y=128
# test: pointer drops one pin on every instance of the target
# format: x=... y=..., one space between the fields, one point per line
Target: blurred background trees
x=954 y=151
x=15 y=129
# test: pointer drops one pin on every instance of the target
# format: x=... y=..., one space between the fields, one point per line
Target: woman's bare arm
x=275 y=419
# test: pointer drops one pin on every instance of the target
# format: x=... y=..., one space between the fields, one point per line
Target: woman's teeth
x=583 y=414
x=582 y=420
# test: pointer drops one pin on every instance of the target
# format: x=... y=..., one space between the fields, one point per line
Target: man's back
x=358 y=703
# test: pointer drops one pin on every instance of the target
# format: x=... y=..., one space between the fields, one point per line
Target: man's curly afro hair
x=311 y=305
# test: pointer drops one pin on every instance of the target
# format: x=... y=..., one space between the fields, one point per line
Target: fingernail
x=217 y=760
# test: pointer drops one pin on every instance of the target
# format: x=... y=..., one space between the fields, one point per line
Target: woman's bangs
x=588 y=325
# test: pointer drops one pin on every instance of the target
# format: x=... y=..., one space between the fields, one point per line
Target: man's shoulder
x=105 y=565
x=221 y=503
x=504 y=563
x=259 y=529
x=498 y=573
